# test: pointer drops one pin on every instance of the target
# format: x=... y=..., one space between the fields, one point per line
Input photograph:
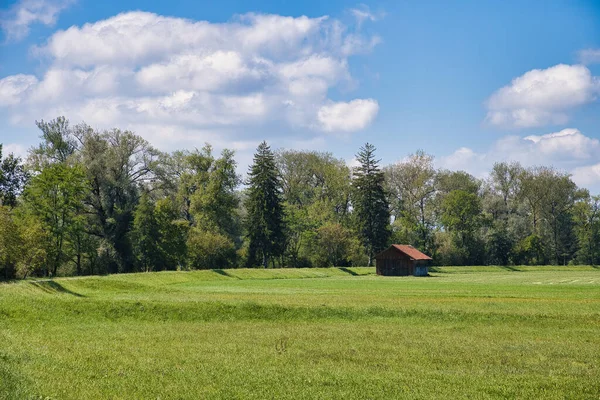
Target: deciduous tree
x=55 y=197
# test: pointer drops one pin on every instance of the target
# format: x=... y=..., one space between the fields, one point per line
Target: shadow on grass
x=348 y=271
x=510 y=268
x=50 y=286
x=224 y=273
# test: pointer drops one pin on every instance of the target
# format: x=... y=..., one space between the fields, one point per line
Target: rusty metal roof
x=411 y=252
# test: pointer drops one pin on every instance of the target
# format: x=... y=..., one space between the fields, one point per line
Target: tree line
x=94 y=202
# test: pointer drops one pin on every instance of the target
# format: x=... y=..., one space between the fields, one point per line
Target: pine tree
x=264 y=221
x=370 y=204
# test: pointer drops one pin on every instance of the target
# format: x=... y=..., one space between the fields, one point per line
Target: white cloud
x=542 y=97
x=570 y=143
x=142 y=37
x=568 y=149
x=464 y=159
x=589 y=56
x=14 y=148
x=363 y=13
x=348 y=117
x=232 y=79
x=14 y=88
x=587 y=176
x=221 y=70
x=16 y=22
x=353 y=163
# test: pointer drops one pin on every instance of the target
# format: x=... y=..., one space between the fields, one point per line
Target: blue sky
x=472 y=83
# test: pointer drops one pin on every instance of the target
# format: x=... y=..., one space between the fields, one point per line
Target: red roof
x=411 y=252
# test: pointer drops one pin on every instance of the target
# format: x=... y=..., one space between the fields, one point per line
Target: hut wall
x=421 y=270
x=391 y=263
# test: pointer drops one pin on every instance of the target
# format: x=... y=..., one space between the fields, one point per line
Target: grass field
x=464 y=332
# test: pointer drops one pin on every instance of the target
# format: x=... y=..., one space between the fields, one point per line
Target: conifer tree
x=264 y=221
x=370 y=204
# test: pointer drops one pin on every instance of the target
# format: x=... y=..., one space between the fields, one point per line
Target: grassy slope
x=484 y=332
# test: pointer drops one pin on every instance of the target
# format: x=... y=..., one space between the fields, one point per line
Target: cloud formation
x=569 y=150
x=588 y=175
x=348 y=117
x=363 y=13
x=16 y=149
x=589 y=56
x=16 y=22
x=542 y=97
x=196 y=80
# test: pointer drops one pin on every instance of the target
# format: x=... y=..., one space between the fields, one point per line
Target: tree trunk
x=78 y=263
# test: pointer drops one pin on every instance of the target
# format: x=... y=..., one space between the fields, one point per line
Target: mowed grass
x=464 y=332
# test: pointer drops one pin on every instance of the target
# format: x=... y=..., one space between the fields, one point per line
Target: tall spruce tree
x=371 y=207
x=265 y=219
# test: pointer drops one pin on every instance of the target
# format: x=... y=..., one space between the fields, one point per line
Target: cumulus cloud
x=465 y=159
x=14 y=88
x=200 y=78
x=587 y=176
x=16 y=21
x=348 y=117
x=589 y=56
x=569 y=143
x=568 y=149
x=542 y=96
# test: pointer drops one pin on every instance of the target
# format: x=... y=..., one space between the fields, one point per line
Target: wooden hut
x=402 y=260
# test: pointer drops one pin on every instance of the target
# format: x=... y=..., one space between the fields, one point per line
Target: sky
x=470 y=82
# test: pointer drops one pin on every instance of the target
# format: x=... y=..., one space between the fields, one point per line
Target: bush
x=207 y=250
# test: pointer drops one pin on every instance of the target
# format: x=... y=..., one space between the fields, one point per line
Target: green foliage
x=159 y=237
x=309 y=177
x=461 y=212
x=13 y=178
x=59 y=143
x=210 y=185
x=23 y=244
x=117 y=164
x=334 y=245
x=411 y=186
x=316 y=190
x=173 y=232
x=55 y=197
x=146 y=236
x=499 y=247
x=448 y=181
x=586 y=216
x=531 y=250
x=461 y=216
x=299 y=230
x=108 y=202
x=265 y=220
x=371 y=208
x=208 y=250
x=35 y=242
x=9 y=244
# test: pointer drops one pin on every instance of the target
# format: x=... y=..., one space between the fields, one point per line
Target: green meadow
x=337 y=333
